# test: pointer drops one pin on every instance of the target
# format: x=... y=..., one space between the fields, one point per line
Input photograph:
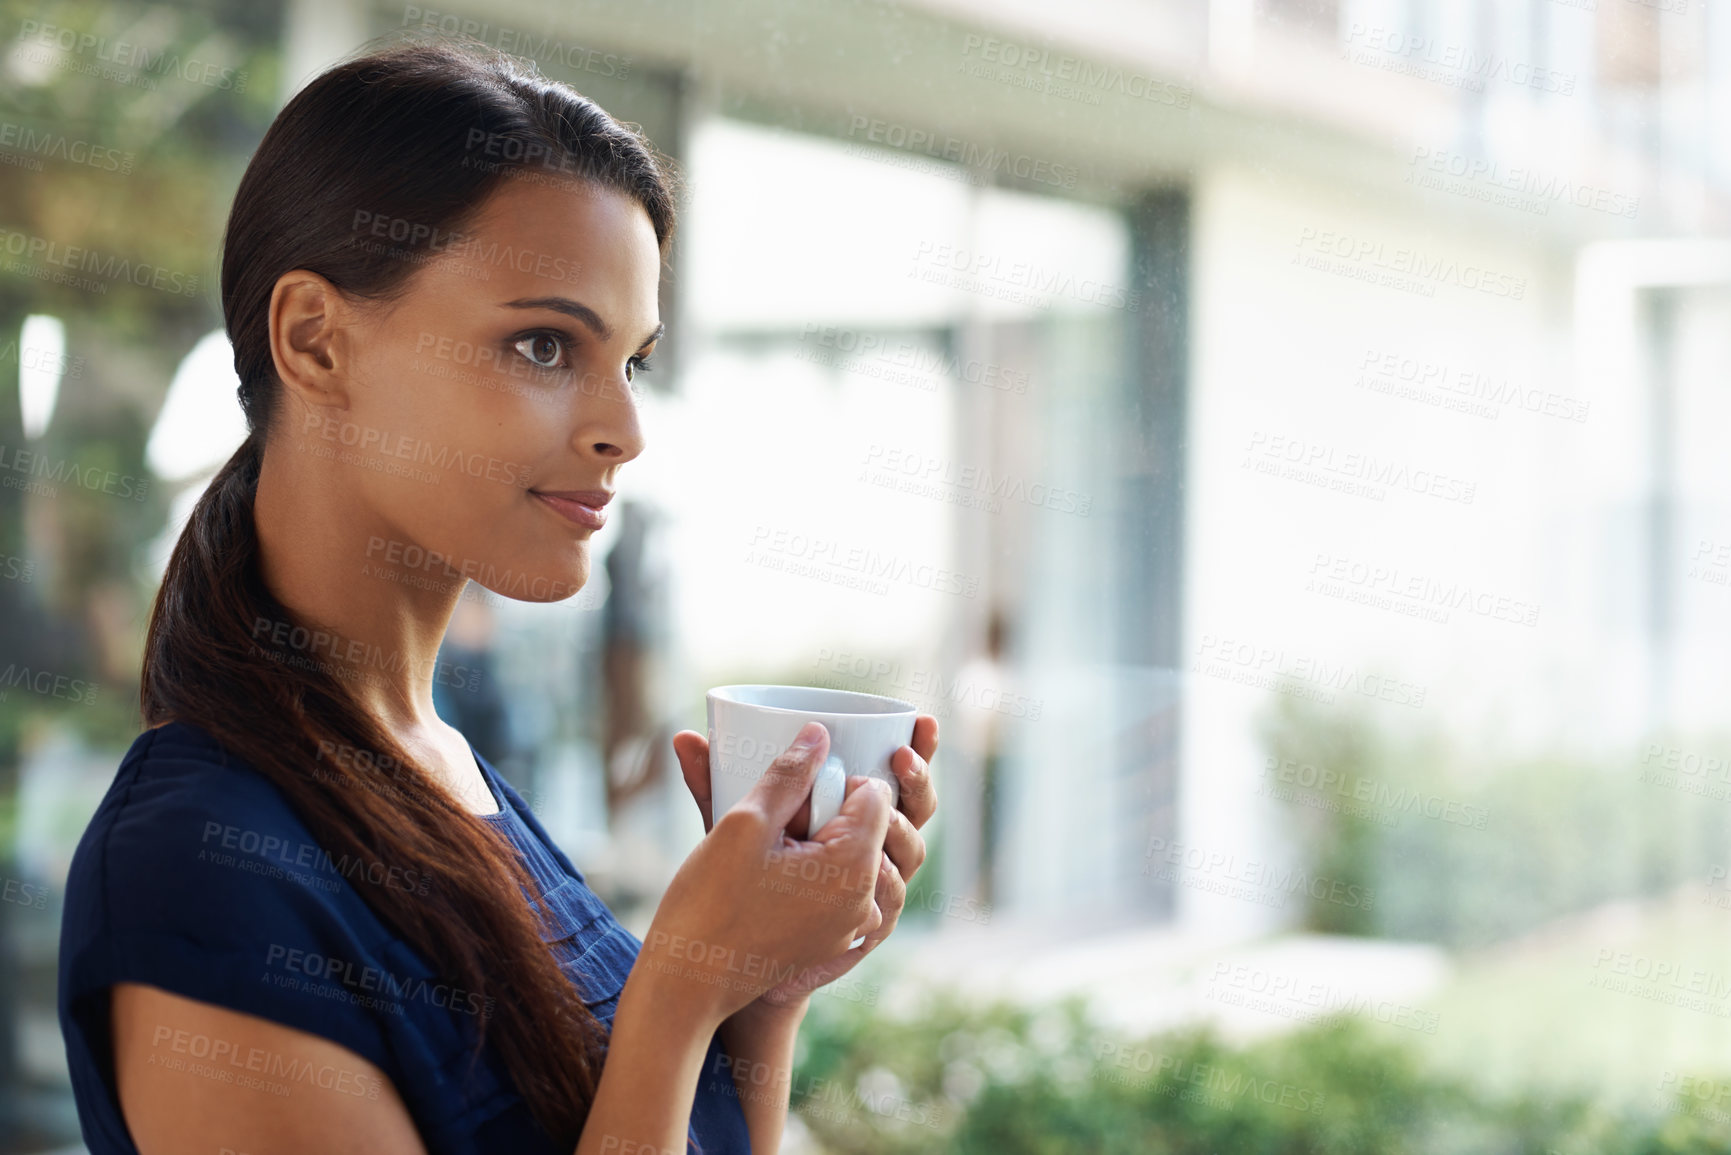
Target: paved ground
x=1146 y=980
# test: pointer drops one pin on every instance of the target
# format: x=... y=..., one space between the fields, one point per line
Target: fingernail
x=808 y=735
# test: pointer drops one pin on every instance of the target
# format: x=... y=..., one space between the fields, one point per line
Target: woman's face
x=503 y=376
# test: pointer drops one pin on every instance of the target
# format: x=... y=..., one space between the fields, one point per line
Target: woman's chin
x=545 y=579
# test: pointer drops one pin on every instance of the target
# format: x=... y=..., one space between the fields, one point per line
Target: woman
x=301 y=920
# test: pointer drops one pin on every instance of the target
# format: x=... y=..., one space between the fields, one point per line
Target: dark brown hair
x=421 y=131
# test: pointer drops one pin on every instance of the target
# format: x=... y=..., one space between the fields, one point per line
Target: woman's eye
x=542 y=350
x=635 y=366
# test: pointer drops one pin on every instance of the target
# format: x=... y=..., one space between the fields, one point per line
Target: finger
x=823 y=973
x=799 y=826
x=889 y=900
x=904 y=846
x=870 y=927
x=784 y=786
x=867 y=808
x=919 y=797
x=692 y=750
x=925 y=739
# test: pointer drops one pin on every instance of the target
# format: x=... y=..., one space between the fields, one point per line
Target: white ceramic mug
x=751 y=726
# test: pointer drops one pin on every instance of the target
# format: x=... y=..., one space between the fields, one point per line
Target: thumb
x=784 y=786
x=692 y=750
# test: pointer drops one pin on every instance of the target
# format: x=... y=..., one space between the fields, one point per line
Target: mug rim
x=723 y=694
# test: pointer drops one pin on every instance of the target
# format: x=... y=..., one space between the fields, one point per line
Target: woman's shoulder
x=178 y=791
x=191 y=840
x=173 y=758
x=198 y=877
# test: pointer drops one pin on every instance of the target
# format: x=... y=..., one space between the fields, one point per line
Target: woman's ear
x=309 y=322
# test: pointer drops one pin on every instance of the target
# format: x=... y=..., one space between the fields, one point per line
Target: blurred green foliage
x=1465 y=848
x=123 y=133
x=1001 y=1080
x=128 y=146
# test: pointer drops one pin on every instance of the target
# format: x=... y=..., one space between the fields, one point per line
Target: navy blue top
x=196 y=876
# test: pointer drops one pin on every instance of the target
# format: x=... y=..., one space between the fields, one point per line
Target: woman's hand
x=751 y=905
x=904 y=847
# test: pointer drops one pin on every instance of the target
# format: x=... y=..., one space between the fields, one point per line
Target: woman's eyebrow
x=570 y=308
x=590 y=318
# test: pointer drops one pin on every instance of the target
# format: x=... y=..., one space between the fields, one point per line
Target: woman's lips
x=575 y=512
